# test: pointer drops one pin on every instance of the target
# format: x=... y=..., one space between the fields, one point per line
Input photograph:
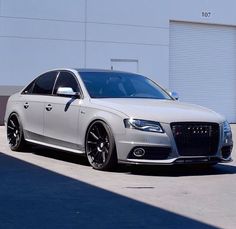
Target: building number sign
x=206 y=14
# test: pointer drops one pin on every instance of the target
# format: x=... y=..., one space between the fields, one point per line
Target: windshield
x=121 y=85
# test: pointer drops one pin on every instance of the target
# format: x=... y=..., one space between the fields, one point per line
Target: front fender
x=89 y=115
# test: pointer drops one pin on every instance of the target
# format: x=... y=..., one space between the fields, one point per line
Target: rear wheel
x=100 y=146
x=15 y=133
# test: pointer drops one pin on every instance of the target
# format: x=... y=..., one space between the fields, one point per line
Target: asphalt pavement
x=45 y=188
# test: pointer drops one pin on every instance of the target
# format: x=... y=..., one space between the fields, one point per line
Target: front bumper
x=140 y=139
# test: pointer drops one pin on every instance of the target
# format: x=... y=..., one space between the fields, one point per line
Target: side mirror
x=174 y=95
x=68 y=92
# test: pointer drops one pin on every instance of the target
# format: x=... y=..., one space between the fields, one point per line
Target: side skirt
x=54 y=143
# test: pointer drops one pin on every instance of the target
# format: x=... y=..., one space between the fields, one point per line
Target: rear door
x=62 y=114
x=34 y=98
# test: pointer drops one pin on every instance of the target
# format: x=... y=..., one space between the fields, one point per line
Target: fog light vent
x=139 y=152
x=149 y=153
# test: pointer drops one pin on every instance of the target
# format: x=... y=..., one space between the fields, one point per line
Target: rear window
x=43 y=85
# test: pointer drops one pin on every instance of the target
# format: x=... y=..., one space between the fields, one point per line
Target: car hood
x=165 y=111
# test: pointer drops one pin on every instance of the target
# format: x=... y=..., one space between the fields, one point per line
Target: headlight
x=226 y=127
x=143 y=125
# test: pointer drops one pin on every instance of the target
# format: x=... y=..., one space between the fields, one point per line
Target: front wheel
x=100 y=146
x=15 y=133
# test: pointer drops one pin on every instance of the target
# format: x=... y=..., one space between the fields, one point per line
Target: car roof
x=88 y=70
x=100 y=70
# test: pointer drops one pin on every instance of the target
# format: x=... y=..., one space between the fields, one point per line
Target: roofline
x=88 y=70
x=101 y=70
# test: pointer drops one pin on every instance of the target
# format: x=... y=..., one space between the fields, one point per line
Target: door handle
x=26 y=105
x=49 y=107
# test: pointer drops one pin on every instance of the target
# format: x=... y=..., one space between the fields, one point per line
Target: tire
x=15 y=133
x=100 y=146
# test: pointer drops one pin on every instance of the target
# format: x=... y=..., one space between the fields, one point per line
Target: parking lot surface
x=45 y=188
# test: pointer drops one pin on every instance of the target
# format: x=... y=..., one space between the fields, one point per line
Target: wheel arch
x=91 y=123
x=11 y=114
x=18 y=117
x=13 y=107
x=114 y=121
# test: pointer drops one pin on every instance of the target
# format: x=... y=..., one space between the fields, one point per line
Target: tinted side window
x=44 y=83
x=66 y=79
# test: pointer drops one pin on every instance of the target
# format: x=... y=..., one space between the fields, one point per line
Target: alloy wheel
x=15 y=133
x=100 y=146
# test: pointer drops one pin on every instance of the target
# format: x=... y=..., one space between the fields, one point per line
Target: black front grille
x=196 y=138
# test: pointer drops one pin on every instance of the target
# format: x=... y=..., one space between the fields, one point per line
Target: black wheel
x=100 y=146
x=15 y=134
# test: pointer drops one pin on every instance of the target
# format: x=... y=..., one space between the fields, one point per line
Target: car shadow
x=147 y=170
x=183 y=170
x=33 y=197
x=59 y=155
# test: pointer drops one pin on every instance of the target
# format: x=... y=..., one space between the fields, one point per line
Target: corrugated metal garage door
x=203 y=65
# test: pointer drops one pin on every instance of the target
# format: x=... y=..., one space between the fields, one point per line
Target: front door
x=61 y=114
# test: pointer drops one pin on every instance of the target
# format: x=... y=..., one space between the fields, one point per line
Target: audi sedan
x=114 y=117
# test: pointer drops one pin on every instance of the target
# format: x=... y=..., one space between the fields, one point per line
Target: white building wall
x=221 y=12
x=129 y=30
x=38 y=35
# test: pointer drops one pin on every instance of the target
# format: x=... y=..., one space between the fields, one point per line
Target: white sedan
x=114 y=117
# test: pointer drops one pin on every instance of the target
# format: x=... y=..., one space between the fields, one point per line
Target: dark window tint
x=121 y=85
x=66 y=79
x=44 y=83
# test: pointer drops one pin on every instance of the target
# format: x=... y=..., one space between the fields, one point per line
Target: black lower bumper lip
x=200 y=160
